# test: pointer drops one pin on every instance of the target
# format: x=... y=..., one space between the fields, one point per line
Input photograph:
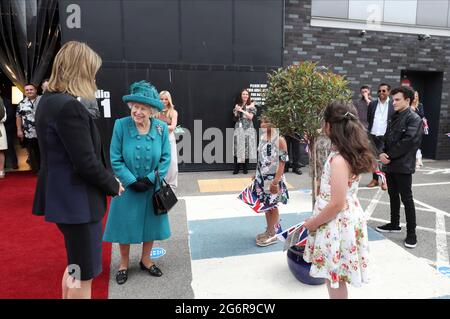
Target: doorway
x=429 y=86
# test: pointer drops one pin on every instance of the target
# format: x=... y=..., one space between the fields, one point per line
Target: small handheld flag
x=250 y=197
x=295 y=235
x=382 y=176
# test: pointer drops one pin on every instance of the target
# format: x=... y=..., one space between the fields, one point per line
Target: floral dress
x=244 y=137
x=338 y=250
x=269 y=156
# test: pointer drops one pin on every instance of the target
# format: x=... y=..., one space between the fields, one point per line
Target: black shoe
x=236 y=166
x=389 y=228
x=153 y=270
x=122 y=276
x=410 y=241
x=297 y=171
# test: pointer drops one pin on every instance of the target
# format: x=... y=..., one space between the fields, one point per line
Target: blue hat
x=145 y=93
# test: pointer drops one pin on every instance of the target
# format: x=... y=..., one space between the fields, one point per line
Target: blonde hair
x=171 y=110
x=74 y=70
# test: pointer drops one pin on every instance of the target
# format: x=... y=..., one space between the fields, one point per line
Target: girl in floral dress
x=269 y=182
x=337 y=245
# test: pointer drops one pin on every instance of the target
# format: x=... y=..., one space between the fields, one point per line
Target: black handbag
x=164 y=198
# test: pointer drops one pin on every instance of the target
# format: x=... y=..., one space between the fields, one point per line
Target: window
x=330 y=8
x=400 y=11
x=432 y=12
x=366 y=10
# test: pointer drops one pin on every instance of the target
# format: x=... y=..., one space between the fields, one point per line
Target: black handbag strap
x=158 y=181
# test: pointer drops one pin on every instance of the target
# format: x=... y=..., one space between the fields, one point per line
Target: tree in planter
x=296 y=99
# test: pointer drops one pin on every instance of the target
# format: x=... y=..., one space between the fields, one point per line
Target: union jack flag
x=285 y=234
x=297 y=238
x=302 y=237
x=382 y=176
x=251 y=198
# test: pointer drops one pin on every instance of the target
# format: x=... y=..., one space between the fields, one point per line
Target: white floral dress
x=339 y=250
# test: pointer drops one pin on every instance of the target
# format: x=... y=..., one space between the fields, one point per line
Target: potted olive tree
x=296 y=98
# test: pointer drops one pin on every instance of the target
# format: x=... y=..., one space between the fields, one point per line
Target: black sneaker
x=389 y=228
x=411 y=241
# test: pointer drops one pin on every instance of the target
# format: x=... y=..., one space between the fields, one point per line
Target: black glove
x=139 y=186
x=146 y=181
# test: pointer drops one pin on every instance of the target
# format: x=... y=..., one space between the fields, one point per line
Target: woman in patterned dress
x=337 y=244
x=269 y=182
x=244 y=136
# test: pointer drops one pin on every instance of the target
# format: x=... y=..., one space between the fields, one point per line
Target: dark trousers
x=10 y=153
x=293 y=147
x=34 y=158
x=400 y=185
x=378 y=146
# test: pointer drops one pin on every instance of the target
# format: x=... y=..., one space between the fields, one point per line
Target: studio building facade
x=205 y=51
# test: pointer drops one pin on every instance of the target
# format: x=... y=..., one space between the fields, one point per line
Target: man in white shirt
x=378 y=114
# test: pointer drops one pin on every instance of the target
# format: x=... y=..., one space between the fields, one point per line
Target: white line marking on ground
x=389 y=204
x=373 y=204
x=414 y=185
x=441 y=240
x=430 y=230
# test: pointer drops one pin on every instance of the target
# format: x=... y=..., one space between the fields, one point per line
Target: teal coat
x=131 y=218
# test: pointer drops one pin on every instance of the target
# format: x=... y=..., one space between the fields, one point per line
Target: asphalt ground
x=187 y=249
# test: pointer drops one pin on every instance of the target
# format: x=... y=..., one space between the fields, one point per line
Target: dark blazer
x=371 y=109
x=73 y=181
x=402 y=140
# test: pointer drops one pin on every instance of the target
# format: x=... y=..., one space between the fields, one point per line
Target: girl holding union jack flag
x=337 y=244
x=269 y=187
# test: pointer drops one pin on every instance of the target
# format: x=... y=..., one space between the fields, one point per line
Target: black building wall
x=204 y=52
x=377 y=57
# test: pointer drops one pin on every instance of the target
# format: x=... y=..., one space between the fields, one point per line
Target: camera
x=423 y=37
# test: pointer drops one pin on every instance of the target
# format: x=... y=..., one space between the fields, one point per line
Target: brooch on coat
x=159 y=129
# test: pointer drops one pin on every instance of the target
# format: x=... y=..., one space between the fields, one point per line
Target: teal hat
x=145 y=93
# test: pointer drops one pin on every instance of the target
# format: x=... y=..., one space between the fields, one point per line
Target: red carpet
x=32 y=253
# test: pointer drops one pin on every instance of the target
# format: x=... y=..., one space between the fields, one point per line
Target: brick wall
x=376 y=57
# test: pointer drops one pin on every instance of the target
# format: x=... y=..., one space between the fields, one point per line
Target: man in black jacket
x=402 y=139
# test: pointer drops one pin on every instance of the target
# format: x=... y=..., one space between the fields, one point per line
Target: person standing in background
x=26 y=125
x=293 y=147
x=378 y=114
x=3 y=139
x=244 y=135
x=417 y=107
x=170 y=116
x=11 y=131
x=362 y=105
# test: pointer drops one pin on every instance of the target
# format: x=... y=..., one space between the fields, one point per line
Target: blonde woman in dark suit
x=73 y=181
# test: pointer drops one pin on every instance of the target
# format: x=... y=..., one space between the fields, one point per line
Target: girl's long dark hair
x=349 y=136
